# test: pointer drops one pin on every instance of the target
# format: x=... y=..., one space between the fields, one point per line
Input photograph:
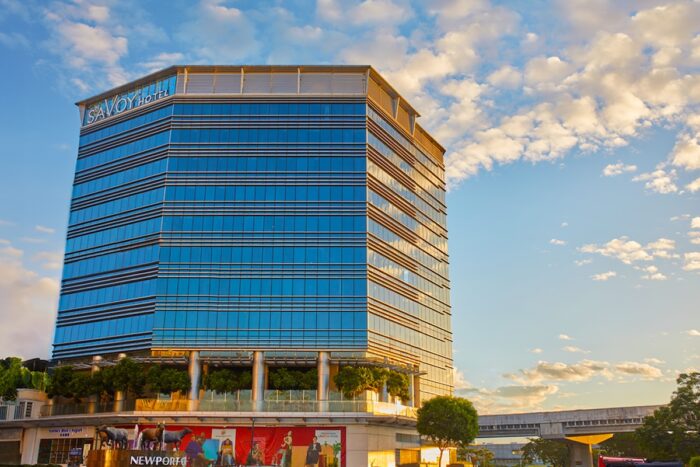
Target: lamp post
x=251 y=458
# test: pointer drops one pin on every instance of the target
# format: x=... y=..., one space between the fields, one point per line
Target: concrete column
x=258 y=380
x=92 y=399
x=324 y=381
x=195 y=371
x=119 y=395
x=411 y=390
x=384 y=393
x=580 y=454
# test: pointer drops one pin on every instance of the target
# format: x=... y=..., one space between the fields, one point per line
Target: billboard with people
x=205 y=446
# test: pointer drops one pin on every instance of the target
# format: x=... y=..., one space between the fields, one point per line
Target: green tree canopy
x=549 y=451
x=621 y=445
x=227 y=380
x=167 y=380
x=13 y=376
x=673 y=431
x=290 y=379
x=477 y=455
x=448 y=421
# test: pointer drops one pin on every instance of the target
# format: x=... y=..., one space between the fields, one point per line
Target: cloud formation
x=612 y=170
x=604 y=276
x=30 y=299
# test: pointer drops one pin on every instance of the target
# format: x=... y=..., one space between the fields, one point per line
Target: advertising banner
x=270 y=446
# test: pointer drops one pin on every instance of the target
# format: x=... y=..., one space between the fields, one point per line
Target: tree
x=673 y=431
x=476 y=455
x=448 y=421
x=127 y=375
x=397 y=385
x=285 y=378
x=166 y=380
x=226 y=380
x=353 y=380
x=549 y=451
x=621 y=445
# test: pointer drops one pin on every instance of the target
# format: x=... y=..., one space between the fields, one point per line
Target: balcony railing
x=275 y=401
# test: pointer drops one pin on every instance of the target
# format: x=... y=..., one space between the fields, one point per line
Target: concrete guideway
x=578 y=429
x=560 y=424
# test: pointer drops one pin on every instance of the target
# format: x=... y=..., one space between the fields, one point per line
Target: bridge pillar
x=580 y=449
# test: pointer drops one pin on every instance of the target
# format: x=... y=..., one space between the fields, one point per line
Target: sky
x=572 y=131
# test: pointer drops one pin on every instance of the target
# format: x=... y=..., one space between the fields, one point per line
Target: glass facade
x=256 y=223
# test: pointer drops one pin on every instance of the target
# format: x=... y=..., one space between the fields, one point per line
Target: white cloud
x=44 y=229
x=505 y=77
x=695 y=223
x=565 y=337
x=612 y=170
x=653 y=274
x=218 y=33
x=51 y=260
x=629 y=251
x=585 y=370
x=536 y=350
x=31 y=299
x=682 y=217
x=557 y=371
x=564 y=224
x=621 y=248
x=686 y=153
x=693 y=332
x=574 y=349
x=363 y=13
x=604 y=276
x=557 y=242
x=694 y=237
x=163 y=60
x=582 y=262
x=694 y=185
x=659 y=181
x=654 y=361
x=692 y=261
x=644 y=370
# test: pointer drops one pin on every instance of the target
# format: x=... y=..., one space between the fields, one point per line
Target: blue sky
x=573 y=160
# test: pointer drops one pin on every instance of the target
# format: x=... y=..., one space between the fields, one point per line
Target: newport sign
x=115 y=105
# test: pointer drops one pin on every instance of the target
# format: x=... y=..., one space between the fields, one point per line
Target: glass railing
x=240 y=401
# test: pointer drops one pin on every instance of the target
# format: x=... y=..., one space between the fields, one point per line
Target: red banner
x=226 y=446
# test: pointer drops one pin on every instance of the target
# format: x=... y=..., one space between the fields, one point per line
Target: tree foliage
x=167 y=380
x=448 y=421
x=226 y=380
x=13 y=376
x=549 y=451
x=397 y=385
x=353 y=380
x=622 y=445
x=476 y=455
x=673 y=431
x=289 y=379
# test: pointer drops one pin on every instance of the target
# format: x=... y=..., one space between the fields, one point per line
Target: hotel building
x=256 y=217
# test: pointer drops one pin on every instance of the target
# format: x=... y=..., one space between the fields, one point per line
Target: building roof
x=375 y=86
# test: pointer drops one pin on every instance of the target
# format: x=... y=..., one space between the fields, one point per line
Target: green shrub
x=694 y=461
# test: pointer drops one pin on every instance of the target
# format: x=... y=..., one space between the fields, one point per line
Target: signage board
x=122 y=102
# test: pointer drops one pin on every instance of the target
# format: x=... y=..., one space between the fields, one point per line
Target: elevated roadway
x=560 y=424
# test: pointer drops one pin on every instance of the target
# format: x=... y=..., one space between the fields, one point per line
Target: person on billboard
x=195 y=452
x=285 y=451
x=226 y=453
x=313 y=453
